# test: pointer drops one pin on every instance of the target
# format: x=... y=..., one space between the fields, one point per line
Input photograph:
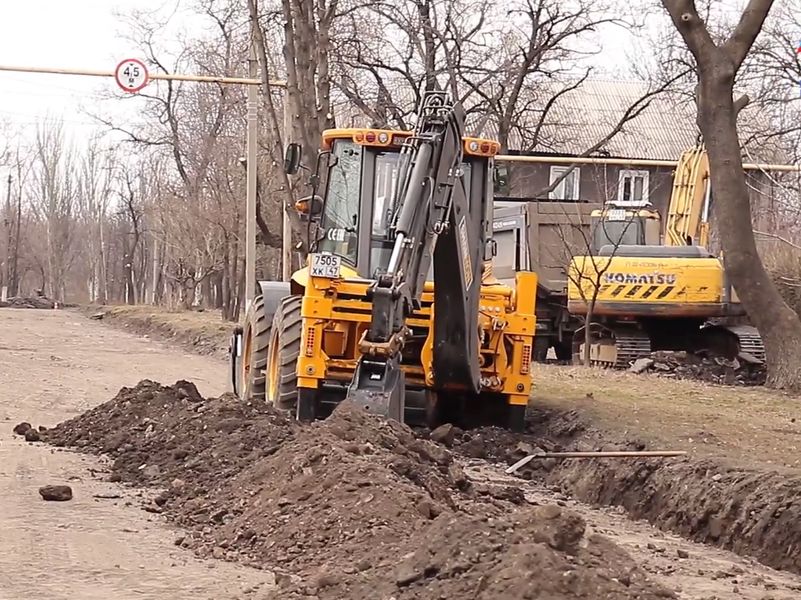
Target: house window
x=633 y=186
x=568 y=188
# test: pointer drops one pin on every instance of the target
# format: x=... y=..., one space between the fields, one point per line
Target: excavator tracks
x=750 y=341
x=619 y=348
x=630 y=346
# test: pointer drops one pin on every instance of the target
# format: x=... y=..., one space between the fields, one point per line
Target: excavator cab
x=393 y=309
x=622 y=223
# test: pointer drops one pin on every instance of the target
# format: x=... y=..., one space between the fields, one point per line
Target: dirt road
x=53 y=365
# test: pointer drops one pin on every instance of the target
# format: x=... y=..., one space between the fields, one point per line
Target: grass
x=753 y=426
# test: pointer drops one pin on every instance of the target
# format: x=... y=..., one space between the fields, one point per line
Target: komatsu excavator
x=396 y=309
x=646 y=295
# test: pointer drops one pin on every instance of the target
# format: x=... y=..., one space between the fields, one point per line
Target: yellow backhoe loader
x=648 y=293
x=396 y=308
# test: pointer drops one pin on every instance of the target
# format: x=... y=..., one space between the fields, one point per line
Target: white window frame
x=632 y=174
x=558 y=193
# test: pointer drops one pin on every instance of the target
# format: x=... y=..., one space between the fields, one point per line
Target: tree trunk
x=777 y=323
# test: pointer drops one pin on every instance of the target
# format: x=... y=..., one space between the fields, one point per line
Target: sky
x=82 y=34
x=88 y=34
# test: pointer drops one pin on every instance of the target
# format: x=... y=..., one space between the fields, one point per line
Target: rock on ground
x=56 y=493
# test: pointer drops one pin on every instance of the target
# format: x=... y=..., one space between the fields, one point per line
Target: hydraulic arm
x=432 y=221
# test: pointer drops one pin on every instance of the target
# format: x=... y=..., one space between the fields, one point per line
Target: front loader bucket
x=379 y=387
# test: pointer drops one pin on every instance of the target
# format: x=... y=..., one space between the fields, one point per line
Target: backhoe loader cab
x=376 y=315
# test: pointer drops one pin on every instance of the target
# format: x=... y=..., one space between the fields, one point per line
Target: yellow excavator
x=396 y=308
x=651 y=292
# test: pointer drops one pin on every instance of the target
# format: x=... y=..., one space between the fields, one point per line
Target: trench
x=754 y=513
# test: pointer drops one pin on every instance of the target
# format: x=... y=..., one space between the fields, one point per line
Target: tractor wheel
x=255 y=337
x=282 y=358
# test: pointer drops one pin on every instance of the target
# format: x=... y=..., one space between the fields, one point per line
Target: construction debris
x=743 y=370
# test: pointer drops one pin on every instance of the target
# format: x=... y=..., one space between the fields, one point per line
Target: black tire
x=564 y=350
x=284 y=349
x=255 y=338
x=541 y=345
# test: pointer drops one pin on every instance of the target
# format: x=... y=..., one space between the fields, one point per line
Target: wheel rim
x=273 y=374
x=247 y=349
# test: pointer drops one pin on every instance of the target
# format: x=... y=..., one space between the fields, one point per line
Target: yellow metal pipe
x=596 y=160
x=163 y=76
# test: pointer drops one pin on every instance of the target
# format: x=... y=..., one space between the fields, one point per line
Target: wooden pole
x=609 y=454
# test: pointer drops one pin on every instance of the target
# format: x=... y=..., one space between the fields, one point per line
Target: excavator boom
x=687 y=221
x=432 y=221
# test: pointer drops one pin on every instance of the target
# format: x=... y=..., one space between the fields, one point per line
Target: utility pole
x=286 y=235
x=7 y=261
x=251 y=169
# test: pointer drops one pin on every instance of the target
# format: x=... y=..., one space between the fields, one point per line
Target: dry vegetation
x=203 y=332
x=744 y=426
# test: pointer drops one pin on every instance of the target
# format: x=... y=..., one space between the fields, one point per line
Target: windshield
x=384 y=184
x=340 y=219
x=616 y=233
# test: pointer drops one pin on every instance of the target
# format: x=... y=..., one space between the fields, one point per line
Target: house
x=630 y=165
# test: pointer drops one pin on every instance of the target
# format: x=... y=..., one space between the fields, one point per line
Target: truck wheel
x=255 y=337
x=282 y=358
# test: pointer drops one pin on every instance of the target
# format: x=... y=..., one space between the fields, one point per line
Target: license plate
x=616 y=214
x=326 y=265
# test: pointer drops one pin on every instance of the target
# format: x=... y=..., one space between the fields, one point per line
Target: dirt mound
x=684 y=365
x=350 y=486
x=40 y=302
x=534 y=553
x=351 y=507
x=155 y=434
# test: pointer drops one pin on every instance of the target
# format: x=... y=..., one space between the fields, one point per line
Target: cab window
x=340 y=219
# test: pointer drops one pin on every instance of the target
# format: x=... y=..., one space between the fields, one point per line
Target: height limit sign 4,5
x=131 y=75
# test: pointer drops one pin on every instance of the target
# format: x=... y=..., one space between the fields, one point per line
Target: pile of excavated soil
x=751 y=512
x=744 y=370
x=536 y=553
x=341 y=493
x=156 y=434
x=39 y=302
x=351 y=507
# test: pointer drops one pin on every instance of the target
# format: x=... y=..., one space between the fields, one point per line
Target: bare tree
x=717 y=65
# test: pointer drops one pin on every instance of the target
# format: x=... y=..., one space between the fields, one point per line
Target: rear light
x=525 y=361
x=485 y=148
x=383 y=137
x=474 y=146
x=369 y=137
x=309 y=349
x=359 y=138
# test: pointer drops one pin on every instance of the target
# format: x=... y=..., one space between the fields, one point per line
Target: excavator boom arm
x=432 y=222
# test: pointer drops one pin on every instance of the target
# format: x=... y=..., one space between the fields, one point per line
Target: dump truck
x=396 y=308
x=543 y=237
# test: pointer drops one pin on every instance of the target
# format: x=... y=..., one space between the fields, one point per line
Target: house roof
x=582 y=117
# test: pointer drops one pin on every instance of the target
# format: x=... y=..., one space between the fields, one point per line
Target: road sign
x=131 y=75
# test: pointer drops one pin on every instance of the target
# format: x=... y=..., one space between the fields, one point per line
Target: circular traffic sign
x=131 y=75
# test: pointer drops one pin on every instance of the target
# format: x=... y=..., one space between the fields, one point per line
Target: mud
x=754 y=513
